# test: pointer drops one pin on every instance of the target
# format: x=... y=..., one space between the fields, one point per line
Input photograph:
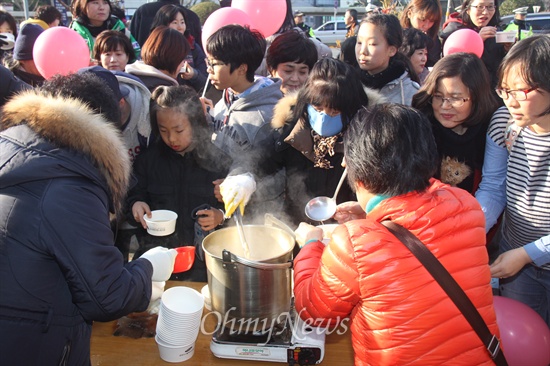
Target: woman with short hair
x=163 y=56
x=193 y=72
x=398 y=314
x=91 y=17
x=516 y=175
x=290 y=58
x=425 y=15
x=458 y=101
x=113 y=50
x=483 y=17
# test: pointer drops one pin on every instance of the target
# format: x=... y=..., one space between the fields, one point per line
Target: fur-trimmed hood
x=69 y=124
x=283 y=110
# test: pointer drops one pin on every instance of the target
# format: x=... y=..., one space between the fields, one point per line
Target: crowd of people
x=454 y=148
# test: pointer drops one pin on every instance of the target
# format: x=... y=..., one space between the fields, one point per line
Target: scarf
x=323 y=146
x=394 y=70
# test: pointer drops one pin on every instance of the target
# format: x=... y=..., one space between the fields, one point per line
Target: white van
x=330 y=32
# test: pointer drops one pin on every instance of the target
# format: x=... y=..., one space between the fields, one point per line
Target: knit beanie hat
x=108 y=78
x=25 y=41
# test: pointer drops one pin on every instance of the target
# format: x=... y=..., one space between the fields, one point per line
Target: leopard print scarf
x=323 y=146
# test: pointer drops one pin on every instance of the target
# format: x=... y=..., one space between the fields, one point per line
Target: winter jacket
x=167 y=180
x=10 y=85
x=294 y=152
x=242 y=130
x=521 y=27
x=137 y=130
x=140 y=26
x=400 y=90
x=89 y=33
x=352 y=30
x=245 y=122
x=62 y=169
x=398 y=314
x=197 y=60
x=39 y=22
x=27 y=77
x=151 y=76
x=434 y=51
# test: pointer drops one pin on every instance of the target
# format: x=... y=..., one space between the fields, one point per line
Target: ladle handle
x=342 y=178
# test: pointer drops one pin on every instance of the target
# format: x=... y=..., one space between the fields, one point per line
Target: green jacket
x=523 y=31
x=113 y=24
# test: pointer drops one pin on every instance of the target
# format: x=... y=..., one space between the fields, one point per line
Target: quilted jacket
x=62 y=169
x=398 y=314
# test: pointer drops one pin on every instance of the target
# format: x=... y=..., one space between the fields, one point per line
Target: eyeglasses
x=212 y=64
x=483 y=7
x=455 y=102
x=518 y=95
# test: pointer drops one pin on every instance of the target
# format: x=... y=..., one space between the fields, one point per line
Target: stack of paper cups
x=178 y=323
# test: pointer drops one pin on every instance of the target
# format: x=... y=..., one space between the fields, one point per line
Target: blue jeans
x=530 y=286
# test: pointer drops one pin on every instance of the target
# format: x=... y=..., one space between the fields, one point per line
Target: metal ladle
x=323 y=208
x=239 y=223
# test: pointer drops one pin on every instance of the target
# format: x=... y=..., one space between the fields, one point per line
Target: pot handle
x=229 y=257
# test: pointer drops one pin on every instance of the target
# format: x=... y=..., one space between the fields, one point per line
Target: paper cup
x=171 y=353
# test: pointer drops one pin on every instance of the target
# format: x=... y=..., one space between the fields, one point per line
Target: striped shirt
x=527 y=185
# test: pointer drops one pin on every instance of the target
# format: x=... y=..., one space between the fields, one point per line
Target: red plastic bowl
x=184 y=259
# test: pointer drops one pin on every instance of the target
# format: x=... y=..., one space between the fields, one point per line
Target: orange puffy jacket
x=399 y=314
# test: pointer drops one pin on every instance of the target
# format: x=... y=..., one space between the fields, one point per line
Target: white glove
x=156 y=293
x=162 y=260
x=236 y=191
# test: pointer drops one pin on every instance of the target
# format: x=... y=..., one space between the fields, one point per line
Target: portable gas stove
x=292 y=341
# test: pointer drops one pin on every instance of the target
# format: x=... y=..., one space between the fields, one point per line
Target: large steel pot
x=255 y=288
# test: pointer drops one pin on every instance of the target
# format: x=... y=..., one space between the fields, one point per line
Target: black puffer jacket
x=170 y=181
x=62 y=170
x=294 y=152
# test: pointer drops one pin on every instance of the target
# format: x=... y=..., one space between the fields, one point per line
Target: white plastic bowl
x=327 y=232
x=171 y=353
x=161 y=222
x=183 y=301
x=506 y=37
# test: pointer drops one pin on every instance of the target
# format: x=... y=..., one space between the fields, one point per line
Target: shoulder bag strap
x=448 y=283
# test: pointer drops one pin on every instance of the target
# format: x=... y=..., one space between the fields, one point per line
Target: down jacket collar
x=300 y=135
x=283 y=110
x=69 y=124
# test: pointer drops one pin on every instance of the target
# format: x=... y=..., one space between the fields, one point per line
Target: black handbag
x=448 y=283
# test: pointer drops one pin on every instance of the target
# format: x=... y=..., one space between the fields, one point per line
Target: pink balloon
x=524 y=334
x=463 y=40
x=60 y=50
x=222 y=17
x=267 y=16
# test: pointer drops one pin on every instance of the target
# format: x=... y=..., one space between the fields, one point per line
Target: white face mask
x=8 y=41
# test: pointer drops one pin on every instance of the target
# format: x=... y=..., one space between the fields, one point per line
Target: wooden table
x=108 y=350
